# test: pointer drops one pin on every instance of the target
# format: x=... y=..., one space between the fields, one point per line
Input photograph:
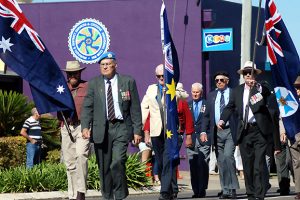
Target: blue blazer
x=197 y=122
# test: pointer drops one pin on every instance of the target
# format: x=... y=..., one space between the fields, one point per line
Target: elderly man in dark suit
x=254 y=128
x=198 y=155
x=111 y=112
x=224 y=140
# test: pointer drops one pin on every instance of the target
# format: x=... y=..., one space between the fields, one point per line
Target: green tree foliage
x=14 y=110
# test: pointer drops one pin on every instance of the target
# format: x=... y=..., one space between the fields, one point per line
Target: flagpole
x=252 y=67
x=67 y=126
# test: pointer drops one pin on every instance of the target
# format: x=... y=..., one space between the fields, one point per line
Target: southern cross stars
x=60 y=89
x=5 y=44
x=169 y=134
x=171 y=89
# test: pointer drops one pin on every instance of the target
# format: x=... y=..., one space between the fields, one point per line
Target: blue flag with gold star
x=24 y=52
x=285 y=66
x=171 y=78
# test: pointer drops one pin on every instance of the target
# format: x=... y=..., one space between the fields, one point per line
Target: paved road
x=211 y=195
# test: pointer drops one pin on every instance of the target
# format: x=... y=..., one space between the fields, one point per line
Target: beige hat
x=248 y=66
x=180 y=92
x=73 y=66
x=297 y=82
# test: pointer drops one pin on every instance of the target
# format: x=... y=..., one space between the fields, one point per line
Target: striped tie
x=222 y=102
x=110 y=103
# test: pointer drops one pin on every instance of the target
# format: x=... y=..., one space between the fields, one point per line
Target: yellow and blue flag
x=285 y=66
x=171 y=78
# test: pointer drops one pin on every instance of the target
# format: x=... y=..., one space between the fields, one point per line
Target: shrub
x=12 y=151
x=53 y=177
x=53 y=156
x=14 y=110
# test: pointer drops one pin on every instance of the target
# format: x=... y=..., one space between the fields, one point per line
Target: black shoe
x=225 y=196
x=174 y=196
x=284 y=192
x=195 y=196
x=220 y=193
x=201 y=195
x=233 y=196
x=80 y=196
x=164 y=196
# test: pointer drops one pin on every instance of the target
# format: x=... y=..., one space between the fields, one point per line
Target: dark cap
x=223 y=73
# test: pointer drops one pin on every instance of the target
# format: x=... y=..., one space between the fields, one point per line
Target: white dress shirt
x=115 y=93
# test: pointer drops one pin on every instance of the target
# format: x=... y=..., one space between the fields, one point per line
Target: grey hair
x=158 y=68
x=33 y=111
x=197 y=86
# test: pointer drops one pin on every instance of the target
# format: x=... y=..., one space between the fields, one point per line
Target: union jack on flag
x=11 y=9
x=285 y=67
x=24 y=52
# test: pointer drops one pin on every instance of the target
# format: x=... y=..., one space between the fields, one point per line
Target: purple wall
x=134 y=27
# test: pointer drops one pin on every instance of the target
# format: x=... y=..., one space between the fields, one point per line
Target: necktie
x=110 y=102
x=222 y=102
x=196 y=111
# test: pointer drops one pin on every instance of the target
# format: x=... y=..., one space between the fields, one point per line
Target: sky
x=289 y=10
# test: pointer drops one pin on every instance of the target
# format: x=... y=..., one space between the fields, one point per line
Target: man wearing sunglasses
x=254 y=128
x=223 y=140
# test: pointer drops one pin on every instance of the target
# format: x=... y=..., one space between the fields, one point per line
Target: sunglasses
x=221 y=79
x=246 y=72
x=159 y=76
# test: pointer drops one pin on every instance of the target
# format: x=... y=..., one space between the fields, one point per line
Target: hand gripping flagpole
x=67 y=126
x=252 y=68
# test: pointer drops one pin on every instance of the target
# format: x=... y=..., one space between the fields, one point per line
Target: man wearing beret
x=223 y=140
x=255 y=128
x=111 y=115
x=75 y=153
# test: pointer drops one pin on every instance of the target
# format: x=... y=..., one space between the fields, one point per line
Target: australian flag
x=23 y=51
x=171 y=78
x=285 y=66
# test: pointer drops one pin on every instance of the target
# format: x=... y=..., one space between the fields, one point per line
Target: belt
x=251 y=124
x=116 y=120
x=226 y=127
x=75 y=123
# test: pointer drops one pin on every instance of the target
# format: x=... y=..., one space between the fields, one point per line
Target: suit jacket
x=208 y=123
x=94 y=107
x=258 y=105
x=150 y=105
x=197 y=123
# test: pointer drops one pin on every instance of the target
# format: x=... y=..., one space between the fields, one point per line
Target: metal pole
x=67 y=126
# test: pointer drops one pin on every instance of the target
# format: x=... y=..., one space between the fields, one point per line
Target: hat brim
x=257 y=71
x=74 y=70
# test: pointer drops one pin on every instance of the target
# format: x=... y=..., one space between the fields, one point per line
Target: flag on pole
x=24 y=52
x=285 y=66
x=171 y=78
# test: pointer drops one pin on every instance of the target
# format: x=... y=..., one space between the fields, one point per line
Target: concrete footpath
x=184 y=185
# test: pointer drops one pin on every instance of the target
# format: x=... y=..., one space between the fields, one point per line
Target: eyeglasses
x=245 y=73
x=159 y=76
x=221 y=79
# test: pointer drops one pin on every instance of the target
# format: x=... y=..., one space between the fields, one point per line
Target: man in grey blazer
x=223 y=140
x=111 y=115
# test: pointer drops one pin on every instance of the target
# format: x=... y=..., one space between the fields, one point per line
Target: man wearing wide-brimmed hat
x=254 y=128
x=75 y=153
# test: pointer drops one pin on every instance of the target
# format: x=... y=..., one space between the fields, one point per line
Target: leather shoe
x=220 y=193
x=297 y=196
x=233 y=196
x=164 y=196
x=225 y=196
x=80 y=196
x=201 y=195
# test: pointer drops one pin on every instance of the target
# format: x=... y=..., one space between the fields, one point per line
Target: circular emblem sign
x=88 y=40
